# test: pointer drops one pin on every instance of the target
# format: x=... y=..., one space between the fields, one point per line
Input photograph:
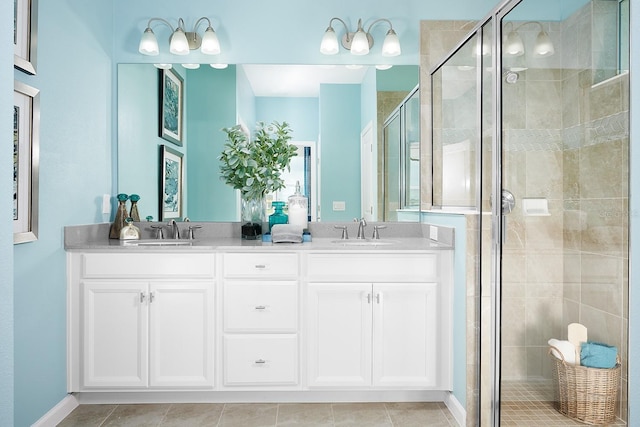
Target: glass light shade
x=148 y=43
x=219 y=66
x=210 y=44
x=329 y=44
x=360 y=43
x=191 y=66
x=383 y=66
x=513 y=45
x=179 y=44
x=544 y=46
x=163 y=66
x=391 y=45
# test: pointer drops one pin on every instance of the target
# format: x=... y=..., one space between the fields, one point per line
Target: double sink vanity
x=218 y=318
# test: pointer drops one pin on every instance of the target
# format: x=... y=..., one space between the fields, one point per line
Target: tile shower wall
x=596 y=171
x=565 y=136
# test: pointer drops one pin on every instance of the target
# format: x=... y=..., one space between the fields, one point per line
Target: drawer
x=260 y=360
x=260 y=265
x=260 y=306
x=410 y=267
x=97 y=265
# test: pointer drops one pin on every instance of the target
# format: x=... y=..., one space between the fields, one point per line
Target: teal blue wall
x=246 y=100
x=138 y=140
x=340 y=146
x=75 y=171
x=301 y=114
x=78 y=145
x=6 y=209
x=212 y=107
x=458 y=222
x=400 y=78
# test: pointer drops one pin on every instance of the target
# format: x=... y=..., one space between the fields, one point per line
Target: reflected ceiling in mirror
x=329 y=109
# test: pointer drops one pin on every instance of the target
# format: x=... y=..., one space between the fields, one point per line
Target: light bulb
x=513 y=45
x=543 y=46
x=148 y=43
x=210 y=44
x=179 y=44
x=329 y=44
x=391 y=45
x=360 y=43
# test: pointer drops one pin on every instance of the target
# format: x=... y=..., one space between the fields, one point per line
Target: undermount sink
x=157 y=242
x=364 y=242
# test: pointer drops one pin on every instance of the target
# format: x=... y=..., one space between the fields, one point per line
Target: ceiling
x=298 y=80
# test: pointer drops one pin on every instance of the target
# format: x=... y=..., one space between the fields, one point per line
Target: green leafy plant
x=254 y=166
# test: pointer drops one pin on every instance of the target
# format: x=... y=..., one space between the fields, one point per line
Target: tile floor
x=262 y=414
x=530 y=404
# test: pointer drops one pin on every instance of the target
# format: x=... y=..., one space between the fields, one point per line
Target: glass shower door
x=563 y=167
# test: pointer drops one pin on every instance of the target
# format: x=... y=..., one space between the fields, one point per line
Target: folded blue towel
x=598 y=355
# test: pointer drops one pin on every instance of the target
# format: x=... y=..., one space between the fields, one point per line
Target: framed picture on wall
x=171 y=176
x=26 y=135
x=171 y=99
x=25 y=38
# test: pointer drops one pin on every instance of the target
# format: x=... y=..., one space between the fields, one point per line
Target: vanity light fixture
x=514 y=46
x=219 y=66
x=181 y=42
x=191 y=66
x=360 y=41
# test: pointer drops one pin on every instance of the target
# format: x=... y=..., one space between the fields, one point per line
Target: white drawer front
x=260 y=306
x=96 y=265
x=373 y=267
x=260 y=265
x=260 y=360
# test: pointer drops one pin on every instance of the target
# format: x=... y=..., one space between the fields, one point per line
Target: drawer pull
x=260 y=362
x=142 y=297
x=260 y=266
x=261 y=307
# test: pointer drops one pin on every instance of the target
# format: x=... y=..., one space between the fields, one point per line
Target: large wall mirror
x=336 y=114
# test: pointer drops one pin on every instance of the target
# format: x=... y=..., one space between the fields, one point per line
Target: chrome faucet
x=175 y=232
x=361 y=225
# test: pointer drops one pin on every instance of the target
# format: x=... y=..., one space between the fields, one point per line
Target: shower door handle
x=508 y=204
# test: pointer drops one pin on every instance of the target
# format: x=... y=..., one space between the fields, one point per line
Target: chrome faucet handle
x=174 y=229
x=192 y=229
x=376 y=233
x=362 y=223
x=159 y=231
x=345 y=233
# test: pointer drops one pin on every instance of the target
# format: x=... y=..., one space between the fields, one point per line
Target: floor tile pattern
x=396 y=414
x=530 y=404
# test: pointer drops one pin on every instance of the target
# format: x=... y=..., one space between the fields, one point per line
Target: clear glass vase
x=253 y=217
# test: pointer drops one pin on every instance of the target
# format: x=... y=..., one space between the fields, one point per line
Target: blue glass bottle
x=278 y=216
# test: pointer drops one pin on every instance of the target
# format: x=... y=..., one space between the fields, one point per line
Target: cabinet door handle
x=142 y=297
x=379 y=297
x=260 y=362
x=261 y=307
x=368 y=298
x=151 y=297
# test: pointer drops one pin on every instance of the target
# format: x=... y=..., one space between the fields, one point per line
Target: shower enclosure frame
x=498 y=219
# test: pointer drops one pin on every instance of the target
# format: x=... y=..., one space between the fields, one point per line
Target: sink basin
x=157 y=242
x=363 y=242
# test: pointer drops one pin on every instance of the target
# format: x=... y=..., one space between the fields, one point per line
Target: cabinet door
x=114 y=334
x=181 y=334
x=405 y=334
x=339 y=334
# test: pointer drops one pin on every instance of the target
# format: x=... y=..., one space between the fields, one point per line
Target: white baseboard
x=58 y=412
x=456 y=409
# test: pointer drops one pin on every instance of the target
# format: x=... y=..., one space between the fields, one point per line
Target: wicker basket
x=585 y=394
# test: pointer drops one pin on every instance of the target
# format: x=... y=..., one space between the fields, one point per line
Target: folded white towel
x=567 y=350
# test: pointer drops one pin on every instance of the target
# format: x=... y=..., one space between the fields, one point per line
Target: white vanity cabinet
x=378 y=320
x=141 y=321
x=260 y=320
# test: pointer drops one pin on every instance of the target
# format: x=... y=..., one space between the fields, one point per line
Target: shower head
x=511 y=77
